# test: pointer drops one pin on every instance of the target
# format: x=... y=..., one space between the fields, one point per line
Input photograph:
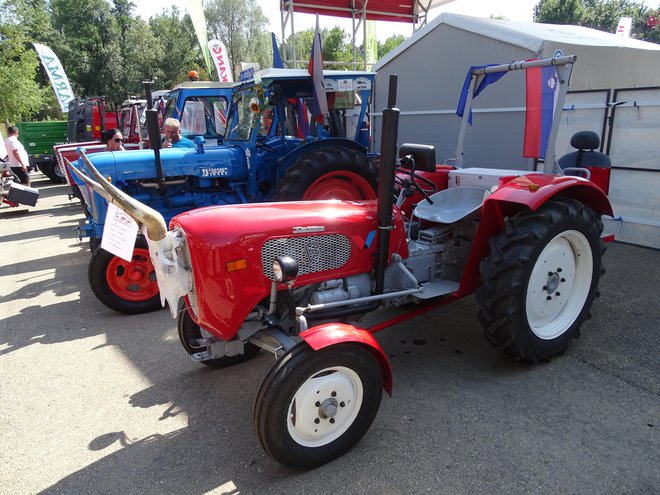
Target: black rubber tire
x=98 y=282
x=306 y=170
x=506 y=275
x=52 y=171
x=94 y=243
x=274 y=403
x=188 y=330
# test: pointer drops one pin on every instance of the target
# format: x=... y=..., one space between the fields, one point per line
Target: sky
x=515 y=10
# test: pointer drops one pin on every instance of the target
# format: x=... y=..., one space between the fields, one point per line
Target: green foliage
x=178 y=49
x=603 y=15
x=20 y=94
x=107 y=50
x=336 y=48
x=559 y=11
x=241 y=26
x=390 y=44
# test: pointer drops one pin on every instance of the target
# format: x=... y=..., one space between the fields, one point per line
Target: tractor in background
x=272 y=150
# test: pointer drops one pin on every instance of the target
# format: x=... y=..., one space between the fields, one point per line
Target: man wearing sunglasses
x=114 y=140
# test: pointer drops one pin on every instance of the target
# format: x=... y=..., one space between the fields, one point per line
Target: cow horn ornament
x=174 y=281
x=150 y=218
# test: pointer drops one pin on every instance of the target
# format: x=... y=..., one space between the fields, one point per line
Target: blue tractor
x=273 y=149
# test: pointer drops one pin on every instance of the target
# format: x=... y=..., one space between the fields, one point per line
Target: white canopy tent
x=615 y=91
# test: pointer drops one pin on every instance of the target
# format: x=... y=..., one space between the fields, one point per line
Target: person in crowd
x=18 y=157
x=114 y=140
x=173 y=137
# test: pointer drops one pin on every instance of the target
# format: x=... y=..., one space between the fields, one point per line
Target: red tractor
x=289 y=277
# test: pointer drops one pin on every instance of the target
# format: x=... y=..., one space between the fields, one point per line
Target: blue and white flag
x=485 y=81
x=56 y=74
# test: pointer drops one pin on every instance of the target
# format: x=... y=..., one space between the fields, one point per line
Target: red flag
x=315 y=70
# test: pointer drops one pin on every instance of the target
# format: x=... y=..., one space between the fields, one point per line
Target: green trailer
x=39 y=139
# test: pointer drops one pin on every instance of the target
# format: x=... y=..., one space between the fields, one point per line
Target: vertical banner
x=371 y=44
x=221 y=60
x=198 y=19
x=625 y=23
x=315 y=70
x=56 y=74
x=541 y=98
x=277 y=58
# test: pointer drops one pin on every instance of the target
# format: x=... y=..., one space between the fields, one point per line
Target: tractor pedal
x=435 y=289
x=200 y=343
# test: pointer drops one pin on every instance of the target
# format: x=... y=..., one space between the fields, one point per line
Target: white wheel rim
x=559 y=284
x=325 y=406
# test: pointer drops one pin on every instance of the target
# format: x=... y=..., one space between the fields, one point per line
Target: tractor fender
x=313 y=146
x=525 y=192
x=328 y=334
x=535 y=189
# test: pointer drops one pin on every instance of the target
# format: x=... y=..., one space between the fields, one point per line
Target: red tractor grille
x=313 y=253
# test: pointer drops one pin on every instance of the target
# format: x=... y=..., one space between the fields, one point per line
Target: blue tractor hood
x=213 y=163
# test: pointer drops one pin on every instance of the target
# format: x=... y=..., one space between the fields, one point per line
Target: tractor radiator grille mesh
x=313 y=253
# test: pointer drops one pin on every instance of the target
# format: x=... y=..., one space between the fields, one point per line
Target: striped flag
x=315 y=70
x=541 y=99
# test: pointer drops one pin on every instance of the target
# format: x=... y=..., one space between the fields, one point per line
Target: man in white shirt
x=18 y=157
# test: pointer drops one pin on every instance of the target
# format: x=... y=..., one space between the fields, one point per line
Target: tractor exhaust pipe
x=150 y=218
x=388 y=146
x=154 y=137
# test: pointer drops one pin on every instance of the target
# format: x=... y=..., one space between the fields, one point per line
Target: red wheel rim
x=135 y=280
x=340 y=185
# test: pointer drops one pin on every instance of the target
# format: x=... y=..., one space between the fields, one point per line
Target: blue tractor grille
x=313 y=253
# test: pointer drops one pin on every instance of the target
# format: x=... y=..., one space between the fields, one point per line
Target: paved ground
x=96 y=402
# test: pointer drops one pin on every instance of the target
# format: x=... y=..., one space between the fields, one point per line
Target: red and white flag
x=221 y=60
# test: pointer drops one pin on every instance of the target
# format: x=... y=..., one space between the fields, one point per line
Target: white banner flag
x=221 y=59
x=56 y=75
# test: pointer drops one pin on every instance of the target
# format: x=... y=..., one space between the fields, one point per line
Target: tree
x=603 y=15
x=241 y=26
x=20 y=95
x=178 y=51
x=336 y=47
x=390 y=44
x=559 y=11
x=91 y=53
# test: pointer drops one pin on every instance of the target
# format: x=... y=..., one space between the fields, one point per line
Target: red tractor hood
x=232 y=248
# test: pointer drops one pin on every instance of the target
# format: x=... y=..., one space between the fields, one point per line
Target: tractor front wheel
x=189 y=331
x=126 y=286
x=313 y=406
x=330 y=173
x=540 y=279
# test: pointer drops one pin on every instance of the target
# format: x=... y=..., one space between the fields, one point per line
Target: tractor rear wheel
x=189 y=330
x=313 y=406
x=128 y=287
x=329 y=173
x=540 y=279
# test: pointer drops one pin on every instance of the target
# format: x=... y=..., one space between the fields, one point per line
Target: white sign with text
x=119 y=233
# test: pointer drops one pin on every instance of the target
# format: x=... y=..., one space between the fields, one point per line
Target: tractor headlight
x=285 y=269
